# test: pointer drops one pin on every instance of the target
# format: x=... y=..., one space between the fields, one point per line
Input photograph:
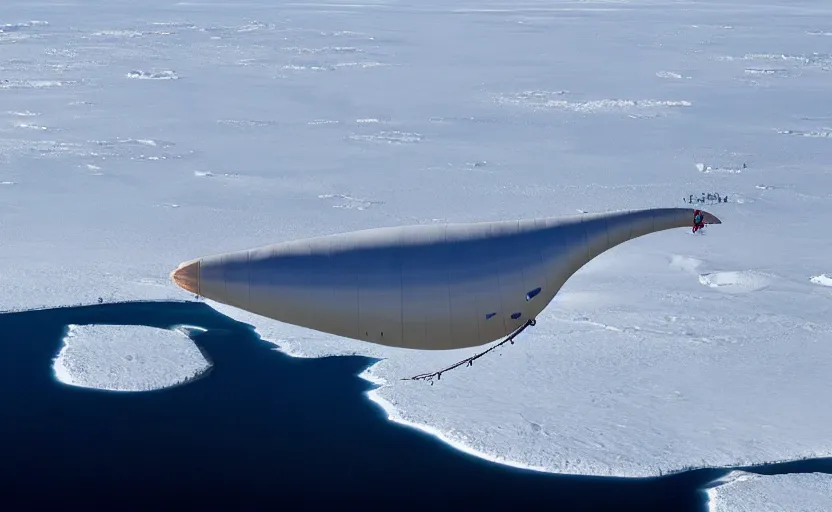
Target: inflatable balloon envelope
x=428 y=287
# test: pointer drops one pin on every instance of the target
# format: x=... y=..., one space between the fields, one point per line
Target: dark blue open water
x=261 y=430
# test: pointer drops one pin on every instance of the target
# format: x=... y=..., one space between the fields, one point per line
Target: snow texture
x=127 y=358
x=178 y=130
x=746 y=492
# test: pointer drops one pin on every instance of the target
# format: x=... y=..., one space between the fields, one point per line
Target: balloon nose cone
x=186 y=276
x=710 y=218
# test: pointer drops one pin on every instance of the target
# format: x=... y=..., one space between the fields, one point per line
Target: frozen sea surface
x=151 y=446
x=746 y=492
x=148 y=135
x=262 y=423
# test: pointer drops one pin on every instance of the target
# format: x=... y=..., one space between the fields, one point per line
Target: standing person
x=698 y=220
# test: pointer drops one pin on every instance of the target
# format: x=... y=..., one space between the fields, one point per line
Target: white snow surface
x=747 y=492
x=670 y=351
x=128 y=358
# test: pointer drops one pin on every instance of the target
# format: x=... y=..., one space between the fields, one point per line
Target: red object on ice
x=698 y=220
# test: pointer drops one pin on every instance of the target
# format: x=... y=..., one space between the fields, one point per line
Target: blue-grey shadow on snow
x=262 y=430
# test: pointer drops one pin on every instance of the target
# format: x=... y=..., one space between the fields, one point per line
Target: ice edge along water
x=392 y=413
x=740 y=491
x=394 y=416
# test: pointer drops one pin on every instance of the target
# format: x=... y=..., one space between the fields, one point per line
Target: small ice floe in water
x=118 y=33
x=128 y=358
x=17 y=27
x=156 y=75
x=315 y=122
x=209 y=174
x=360 y=65
x=551 y=101
x=326 y=49
x=132 y=142
x=248 y=123
x=823 y=279
x=24 y=113
x=390 y=137
x=350 y=203
x=825 y=133
x=766 y=72
x=29 y=126
x=707 y=169
x=670 y=75
x=33 y=84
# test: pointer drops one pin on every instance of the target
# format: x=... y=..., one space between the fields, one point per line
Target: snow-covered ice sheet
x=128 y=358
x=747 y=492
x=160 y=132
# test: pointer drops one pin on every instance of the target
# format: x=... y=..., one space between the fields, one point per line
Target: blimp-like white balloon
x=428 y=287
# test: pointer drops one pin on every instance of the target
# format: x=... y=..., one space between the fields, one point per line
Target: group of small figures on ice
x=706 y=198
